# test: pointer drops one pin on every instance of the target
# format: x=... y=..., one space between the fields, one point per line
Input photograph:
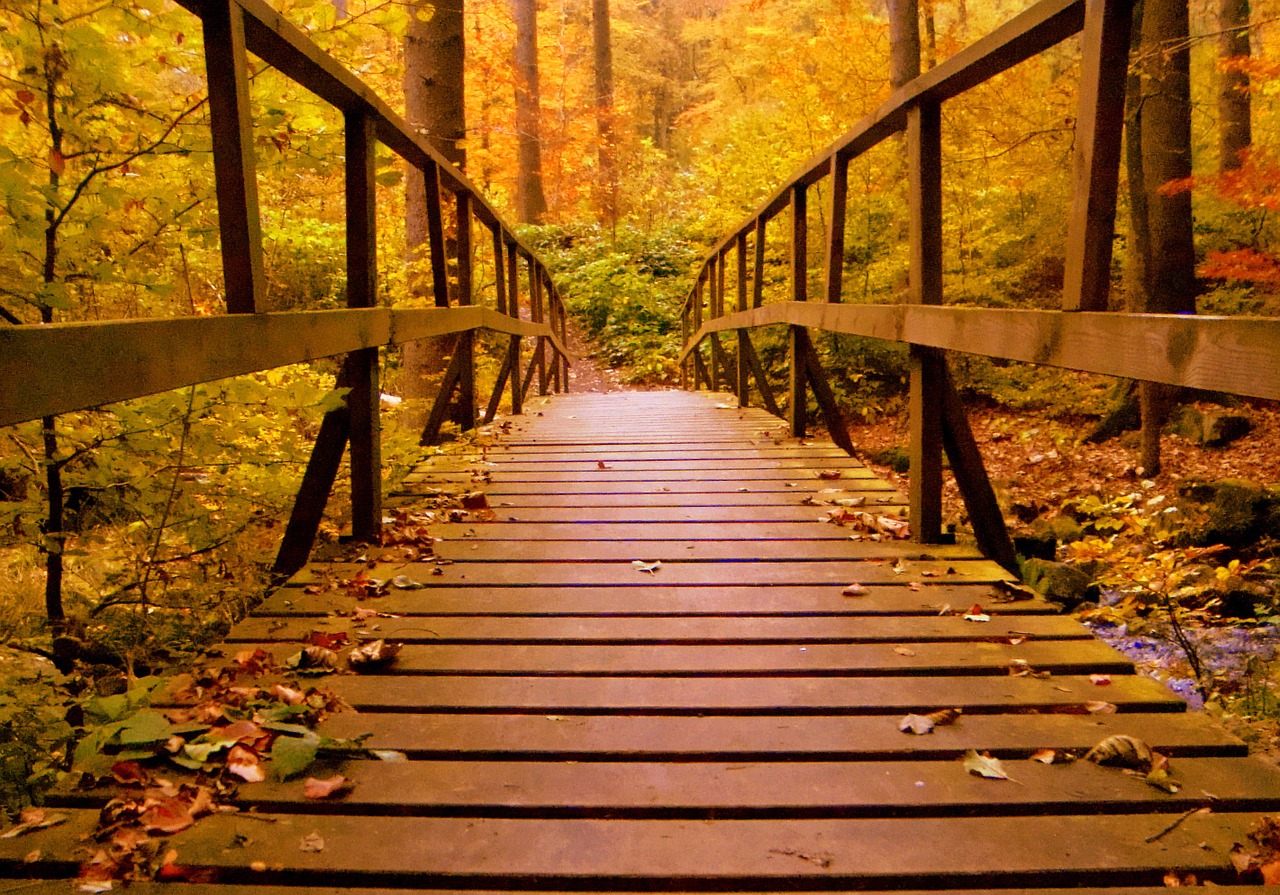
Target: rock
x=1237 y=513
x=1036 y=545
x=1211 y=428
x=1058 y=582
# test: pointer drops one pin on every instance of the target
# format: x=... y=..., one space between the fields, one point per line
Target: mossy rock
x=1211 y=428
x=1237 y=513
x=1058 y=582
x=896 y=458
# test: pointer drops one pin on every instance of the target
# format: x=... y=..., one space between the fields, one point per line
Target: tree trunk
x=1235 y=132
x=434 y=93
x=602 y=52
x=930 y=49
x=904 y=41
x=1169 y=281
x=531 y=201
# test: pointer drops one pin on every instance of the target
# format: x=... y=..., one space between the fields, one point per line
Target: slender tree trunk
x=904 y=41
x=1170 y=283
x=1235 y=132
x=930 y=48
x=531 y=201
x=602 y=52
x=434 y=95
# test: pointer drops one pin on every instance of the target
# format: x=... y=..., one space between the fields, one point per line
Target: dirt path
x=587 y=374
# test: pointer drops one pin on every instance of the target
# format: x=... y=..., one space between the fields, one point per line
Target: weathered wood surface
x=1230 y=354
x=728 y=722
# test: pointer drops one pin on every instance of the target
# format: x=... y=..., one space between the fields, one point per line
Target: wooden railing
x=1239 y=355
x=118 y=360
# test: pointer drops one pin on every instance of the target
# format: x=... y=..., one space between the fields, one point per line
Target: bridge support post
x=798 y=337
x=513 y=307
x=744 y=369
x=924 y=163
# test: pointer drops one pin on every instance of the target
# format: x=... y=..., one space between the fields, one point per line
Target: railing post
x=435 y=236
x=539 y=316
x=835 y=226
x=757 y=282
x=362 y=366
x=564 y=340
x=466 y=410
x=684 y=342
x=744 y=371
x=1099 y=125
x=797 y=336
x=499 y=269
x=928 y=370
x=234 y=170
x=513 y=308
x=713 y=311
x=697 y=325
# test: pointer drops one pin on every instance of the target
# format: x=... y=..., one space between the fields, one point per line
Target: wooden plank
x=1096 y=167
x=664 y=514
x=657 y=477
x=444 y=397
x=467 y=550
x=1231 y=354
x=435 y=235
x=505 y=694
x=762 y=738
x=763 y=661
x=666 y=630
x=686 y=532
x=876 y=852
x=842 y=466
x=234 y=167
x=694 y=574
x=643 y=600
x=770 y=789
x=59 y=887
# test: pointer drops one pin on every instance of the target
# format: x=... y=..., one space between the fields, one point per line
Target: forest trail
x=668 y=651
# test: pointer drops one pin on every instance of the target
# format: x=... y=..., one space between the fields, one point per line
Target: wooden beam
x=1226 y=354
x=799 y=243
x=234 y=169
x=313 y=493
x=757 y=280
x=700 y=371
x=836 y=425
x=465 y=411
x=797 y=394
x=499 y=272
x=444 y=397
x=835 y=226
x=971 y=477
x=744 y=370
x=533 y=367
x=491 y=411
x=762 y=379
x=364 y=437
x=435 y=237
x=1096 y=171
x=513 y=307
x=924 y=172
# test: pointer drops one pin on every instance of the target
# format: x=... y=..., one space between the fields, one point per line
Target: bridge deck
x=728 y=721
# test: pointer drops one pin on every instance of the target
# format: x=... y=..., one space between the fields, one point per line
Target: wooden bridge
x=644 y=653
x=639 y=669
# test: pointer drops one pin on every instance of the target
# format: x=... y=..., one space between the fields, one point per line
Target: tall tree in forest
x=531 y=201
x=602 y=54
x=1235 y=131
x=904 y=41
x=1166 y=282
x=434 y=94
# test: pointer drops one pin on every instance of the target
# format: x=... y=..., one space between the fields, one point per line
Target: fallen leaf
x=375 y=654
x=985 y=766
x=1122 y=751
x=32 y=819
x=943 y=717
x=1161 y=780
x=899 y=567
x=404 y=582
x=600 y=464
x=1100 y=680
x=314 y=788
x=976 y=615
x=855 y=590
x=904 y=651
x=643 y=566
x=474 y=500
x=314 y=658
x=31 y=857
x=917 y=724
x=245 y=764
x=96 y=886
x=1045 y=756
x=312 y=842
x=1098 y=707
x=830 y=474
x=167 y=816
x=130 y=773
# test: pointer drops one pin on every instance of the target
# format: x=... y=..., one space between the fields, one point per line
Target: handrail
x=1229 y=354
x=117 y=360
x=120 y=360
x=1224 y=354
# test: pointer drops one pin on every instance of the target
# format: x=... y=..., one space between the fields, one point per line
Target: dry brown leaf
x=943 y=717
x=1122 y=751
x=315 y=788
x=904 y=651
x=854 y=590
x=1098 y=707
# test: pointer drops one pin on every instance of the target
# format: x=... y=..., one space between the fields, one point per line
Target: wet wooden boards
x=725 y=721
